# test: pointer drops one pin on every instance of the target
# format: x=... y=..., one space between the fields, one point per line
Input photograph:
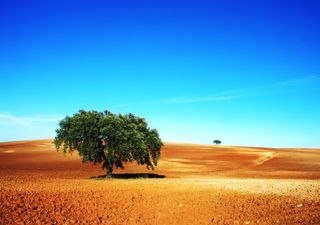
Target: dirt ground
x=193 y=184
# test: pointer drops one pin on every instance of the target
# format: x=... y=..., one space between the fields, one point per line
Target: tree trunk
x=109 y=172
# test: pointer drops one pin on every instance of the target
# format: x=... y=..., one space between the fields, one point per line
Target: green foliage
x=217 y=142
x=109 y=139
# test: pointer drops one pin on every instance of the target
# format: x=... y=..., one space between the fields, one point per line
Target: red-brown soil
x=203 y=184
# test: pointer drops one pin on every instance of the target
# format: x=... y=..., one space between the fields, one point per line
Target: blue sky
x=244 y=72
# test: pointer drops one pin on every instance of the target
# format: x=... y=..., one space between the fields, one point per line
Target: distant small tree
x=109 y=139
x=217 y=142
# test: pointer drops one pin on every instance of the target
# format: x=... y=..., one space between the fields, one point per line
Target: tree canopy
x=217 y=142
x=109 y=139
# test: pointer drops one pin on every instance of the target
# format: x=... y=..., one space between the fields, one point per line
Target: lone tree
x=109 y=139
x=217 y=142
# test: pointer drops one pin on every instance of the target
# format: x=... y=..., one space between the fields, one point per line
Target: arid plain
x=193 y=184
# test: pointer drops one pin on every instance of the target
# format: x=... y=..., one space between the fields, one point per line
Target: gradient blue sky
x=244 y=72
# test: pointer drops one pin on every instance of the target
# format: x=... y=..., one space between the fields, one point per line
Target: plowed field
x=193 y=184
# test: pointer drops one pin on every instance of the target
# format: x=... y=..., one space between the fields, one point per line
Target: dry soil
x=193 y=184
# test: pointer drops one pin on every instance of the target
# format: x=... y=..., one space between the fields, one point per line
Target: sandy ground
x=203 y=184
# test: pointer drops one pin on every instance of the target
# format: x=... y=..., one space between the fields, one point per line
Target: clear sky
x=244 y=72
